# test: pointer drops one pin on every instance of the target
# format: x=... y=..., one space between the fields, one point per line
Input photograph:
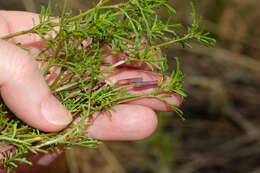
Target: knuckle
x=23 y=66
x=4 y=30
x=15 y=63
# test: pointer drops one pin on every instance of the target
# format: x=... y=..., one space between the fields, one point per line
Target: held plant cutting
x=77 y=47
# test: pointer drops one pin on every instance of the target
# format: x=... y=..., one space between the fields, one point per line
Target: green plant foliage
x=134 y=23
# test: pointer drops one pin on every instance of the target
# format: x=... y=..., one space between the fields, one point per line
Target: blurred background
x=221 y=132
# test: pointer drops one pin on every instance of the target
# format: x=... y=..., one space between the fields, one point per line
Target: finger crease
x=6 y=24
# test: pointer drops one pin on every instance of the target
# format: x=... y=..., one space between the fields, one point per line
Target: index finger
x=16 y=21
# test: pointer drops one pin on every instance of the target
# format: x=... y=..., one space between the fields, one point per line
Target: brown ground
x=221 y=133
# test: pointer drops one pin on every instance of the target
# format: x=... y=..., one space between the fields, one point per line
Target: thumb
x=25 y=92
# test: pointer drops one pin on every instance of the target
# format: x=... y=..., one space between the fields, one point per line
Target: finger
x=25 y=92
x=121 y=56
x=128 y=123
x=16 y=21
x=153 y=103
x=157 y=104
x=39 y=161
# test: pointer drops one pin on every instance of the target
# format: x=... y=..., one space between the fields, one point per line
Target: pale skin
x=26 y=93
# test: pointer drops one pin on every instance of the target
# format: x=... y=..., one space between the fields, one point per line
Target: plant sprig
x=77 y=45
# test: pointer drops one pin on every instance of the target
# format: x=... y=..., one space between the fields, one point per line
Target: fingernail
x=54 y=112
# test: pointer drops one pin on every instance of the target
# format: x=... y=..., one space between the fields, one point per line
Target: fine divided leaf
x=77 y=48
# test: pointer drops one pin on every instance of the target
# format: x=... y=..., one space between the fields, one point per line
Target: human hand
x=26 y=93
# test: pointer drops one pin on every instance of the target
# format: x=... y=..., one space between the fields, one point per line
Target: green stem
x=54 y=84
x=101 y=3
x=187 y=37
x=14 y=140
x=9 y=36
